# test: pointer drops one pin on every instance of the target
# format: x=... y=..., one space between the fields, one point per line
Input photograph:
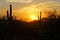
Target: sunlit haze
x=28 y=10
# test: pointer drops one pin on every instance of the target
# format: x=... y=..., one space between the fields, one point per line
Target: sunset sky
x=28 y=10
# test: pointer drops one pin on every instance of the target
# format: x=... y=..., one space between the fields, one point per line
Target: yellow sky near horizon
x=29 y=11
x=34 y=10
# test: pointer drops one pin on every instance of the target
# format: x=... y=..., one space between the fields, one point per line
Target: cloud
x=40 y=7
x=22 y=1
x=2 y=1
x=51 y=4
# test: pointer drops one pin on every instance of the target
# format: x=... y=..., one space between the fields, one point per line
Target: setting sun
x=33 y=17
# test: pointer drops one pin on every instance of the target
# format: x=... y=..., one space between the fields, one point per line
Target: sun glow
x=30 y=13
x=33 y=17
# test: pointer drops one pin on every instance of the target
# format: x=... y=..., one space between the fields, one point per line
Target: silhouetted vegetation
x=43 y=29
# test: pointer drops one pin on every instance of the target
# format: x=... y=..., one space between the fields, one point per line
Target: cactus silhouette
x=7 y=14
x=10 y=11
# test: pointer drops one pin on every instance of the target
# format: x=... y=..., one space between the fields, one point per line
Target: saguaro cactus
x=38 y=18
x=10 y=11
x=40 y=15
x=7 y=14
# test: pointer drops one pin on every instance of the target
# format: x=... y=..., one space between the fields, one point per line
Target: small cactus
x=7 y=15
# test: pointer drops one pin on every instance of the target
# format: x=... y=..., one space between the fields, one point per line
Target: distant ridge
x=33 y=22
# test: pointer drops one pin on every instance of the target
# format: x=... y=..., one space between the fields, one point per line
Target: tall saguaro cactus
x=10 y=11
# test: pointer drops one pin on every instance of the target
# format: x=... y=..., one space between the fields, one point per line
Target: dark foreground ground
x=35 y=30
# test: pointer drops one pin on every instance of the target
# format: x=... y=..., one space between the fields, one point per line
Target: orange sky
x=28 y=13
x=28 y=10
